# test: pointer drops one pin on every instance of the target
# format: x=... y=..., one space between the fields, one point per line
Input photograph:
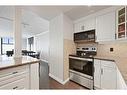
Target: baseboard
x=58 y=80
x=55 y=78
x=66 y=81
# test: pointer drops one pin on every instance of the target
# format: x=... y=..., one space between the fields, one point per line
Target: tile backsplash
x=117 y=49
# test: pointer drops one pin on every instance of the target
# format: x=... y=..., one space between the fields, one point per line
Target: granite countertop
x=121 y=63
x=8 y=62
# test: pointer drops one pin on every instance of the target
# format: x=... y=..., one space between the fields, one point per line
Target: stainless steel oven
x=81 y=71
x=81 y=67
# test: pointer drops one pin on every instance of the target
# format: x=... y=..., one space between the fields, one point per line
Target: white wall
x=67 y=28
x=69 y=45
x=56 y=48
x=42 y=45
x=24 y=43
x=61 y=27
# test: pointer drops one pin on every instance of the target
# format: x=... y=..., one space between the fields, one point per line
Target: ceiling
x=35 y=19
x=32 y=24
x=74 y=12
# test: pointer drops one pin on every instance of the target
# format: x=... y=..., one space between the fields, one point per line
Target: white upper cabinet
x=84 y=25
x=122 y=23
x=105 y=27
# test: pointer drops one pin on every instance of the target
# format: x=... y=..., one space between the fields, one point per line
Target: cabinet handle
x=15 y=87
x=101 y=71
x=14 y=72
x=115 y=36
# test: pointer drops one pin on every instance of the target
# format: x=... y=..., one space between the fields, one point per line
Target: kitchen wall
x=61 y=45
x=42 y=45
x=69 y=46
x=86 y=44
x=120 y=49
x=56 y=48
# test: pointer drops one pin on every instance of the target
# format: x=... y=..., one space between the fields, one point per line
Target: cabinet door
x=89 y=24
x=108 y=78
x=17 y=82
x=105 y=27
x=97 y=74
x=79 y=27
x=34 y=76
x=85 y=25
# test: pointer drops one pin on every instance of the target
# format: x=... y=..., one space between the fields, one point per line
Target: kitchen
x=105 y=48
x=88 y=49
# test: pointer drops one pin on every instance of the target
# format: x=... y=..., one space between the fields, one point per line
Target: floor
x=48 y=83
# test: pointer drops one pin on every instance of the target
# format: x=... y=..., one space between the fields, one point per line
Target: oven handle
x=84 y=59
x=80 y=74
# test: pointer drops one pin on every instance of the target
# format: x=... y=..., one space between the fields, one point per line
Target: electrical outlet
x=111 y=49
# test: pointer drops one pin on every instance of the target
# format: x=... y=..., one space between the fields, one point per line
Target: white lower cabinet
x=105 y=75
x=108 y=78
x=21 y=83
x=21 y=77
x=97 y=74
x=15 y=78
x=34 y=81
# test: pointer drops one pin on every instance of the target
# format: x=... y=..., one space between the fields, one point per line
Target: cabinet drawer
x=19 y=82
x=11 y=78
x=13 y=71
x=108 y=64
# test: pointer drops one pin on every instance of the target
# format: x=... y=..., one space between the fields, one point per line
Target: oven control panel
x=86 y=49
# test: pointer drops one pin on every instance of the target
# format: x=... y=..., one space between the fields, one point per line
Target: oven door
x=81 y=65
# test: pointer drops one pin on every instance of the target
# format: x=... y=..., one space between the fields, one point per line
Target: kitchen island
x=19 y=73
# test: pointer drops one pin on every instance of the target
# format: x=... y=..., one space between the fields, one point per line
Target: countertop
x=121 y=63
x=8 y=62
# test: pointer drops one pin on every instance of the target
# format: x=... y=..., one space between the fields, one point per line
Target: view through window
x=7 y=44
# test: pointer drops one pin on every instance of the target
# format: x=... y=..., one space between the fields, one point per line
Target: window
x=7 y=40
x=7 y=44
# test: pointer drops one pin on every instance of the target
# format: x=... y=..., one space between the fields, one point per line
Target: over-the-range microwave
x=85 y=36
